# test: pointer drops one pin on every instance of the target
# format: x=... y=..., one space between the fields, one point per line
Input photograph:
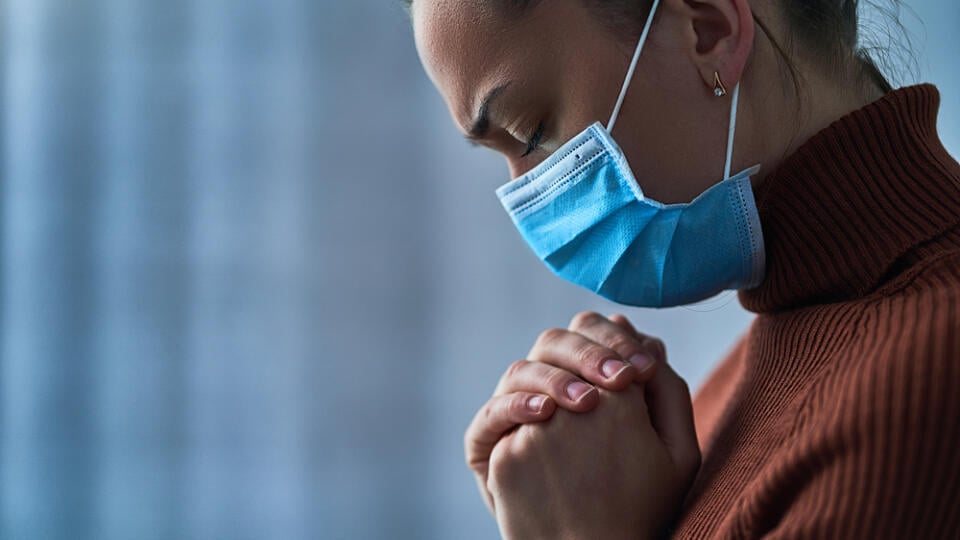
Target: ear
x=723 y=30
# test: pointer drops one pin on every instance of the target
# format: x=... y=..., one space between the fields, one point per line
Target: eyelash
x=534 y=141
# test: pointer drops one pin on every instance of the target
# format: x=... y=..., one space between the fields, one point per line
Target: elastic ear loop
x=722 y=300
x=633 y=66
x=734 y=101
x=626 y=85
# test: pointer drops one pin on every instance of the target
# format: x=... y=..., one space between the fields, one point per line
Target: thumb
x=670 y=406
x=671 y=413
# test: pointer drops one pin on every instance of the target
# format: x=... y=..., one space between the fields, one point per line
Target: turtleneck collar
x=841 y=210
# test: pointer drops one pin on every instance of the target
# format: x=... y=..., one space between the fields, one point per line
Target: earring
x=718 y=89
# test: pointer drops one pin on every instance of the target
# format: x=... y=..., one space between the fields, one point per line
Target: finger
x=669 y=402
x=638 y=349
x=499 y=415
x=582 y=356
x=654 y=344
x=565 y=388
x=671 y=413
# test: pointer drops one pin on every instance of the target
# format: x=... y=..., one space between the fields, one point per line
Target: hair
x=827 y=32
x=833 y=34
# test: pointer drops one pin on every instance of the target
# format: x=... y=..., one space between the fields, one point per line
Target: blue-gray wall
x=254 y=284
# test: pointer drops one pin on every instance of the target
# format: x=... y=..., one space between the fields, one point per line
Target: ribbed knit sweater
x=838 y=413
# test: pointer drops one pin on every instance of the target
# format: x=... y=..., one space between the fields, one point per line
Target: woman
x=835 y=415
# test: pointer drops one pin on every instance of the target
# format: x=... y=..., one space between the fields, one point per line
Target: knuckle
x=517 y=405
x=557 y=381
x=509 y=458
x=488 y=410
x=620 y=342
x=500 y=470
x=514 y=369
x=550 y=336
x=584 y=319
x=525 y=441
x=591 y=355
x=502 y=473
x=469 y=455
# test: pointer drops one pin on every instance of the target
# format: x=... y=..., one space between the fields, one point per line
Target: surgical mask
x=585 y=215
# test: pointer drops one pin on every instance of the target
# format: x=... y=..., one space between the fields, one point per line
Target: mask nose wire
x=735 y=98
x=633 y=66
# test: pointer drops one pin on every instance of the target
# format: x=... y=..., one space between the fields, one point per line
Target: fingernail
x=577 y=389
x=536 y=403
x=641 y=361
x=612 y=367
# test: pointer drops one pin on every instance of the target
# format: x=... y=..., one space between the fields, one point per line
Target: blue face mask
x=584 y=214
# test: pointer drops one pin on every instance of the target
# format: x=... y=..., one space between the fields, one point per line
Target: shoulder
x=900 y=367
x=907 y=343
x=918 y=315
x=875 y=438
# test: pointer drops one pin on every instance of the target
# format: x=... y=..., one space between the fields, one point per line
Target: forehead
x=466 y=47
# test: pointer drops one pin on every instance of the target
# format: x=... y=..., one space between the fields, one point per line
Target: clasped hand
x=591 y=436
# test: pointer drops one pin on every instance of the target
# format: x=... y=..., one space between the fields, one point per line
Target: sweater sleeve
x=879 y=457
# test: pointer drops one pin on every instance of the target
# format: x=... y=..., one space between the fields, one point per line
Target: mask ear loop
x=735 y=100
x=633 y=66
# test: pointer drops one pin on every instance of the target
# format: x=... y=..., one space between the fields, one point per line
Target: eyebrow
x=481 y=124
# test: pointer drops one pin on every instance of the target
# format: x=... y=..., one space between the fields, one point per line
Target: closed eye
x=534 y=141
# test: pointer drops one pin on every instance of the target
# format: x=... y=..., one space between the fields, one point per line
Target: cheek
x=588 y=96
x=674 y=152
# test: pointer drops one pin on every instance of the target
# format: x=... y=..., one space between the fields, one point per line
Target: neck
x=776 y=123
x=857 y=205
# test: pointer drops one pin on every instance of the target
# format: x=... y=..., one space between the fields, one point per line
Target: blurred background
x=255 y=285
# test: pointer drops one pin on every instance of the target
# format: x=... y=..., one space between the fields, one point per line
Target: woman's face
x=522 y=84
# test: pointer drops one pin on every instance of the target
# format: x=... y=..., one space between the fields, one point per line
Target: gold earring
x=718 y=89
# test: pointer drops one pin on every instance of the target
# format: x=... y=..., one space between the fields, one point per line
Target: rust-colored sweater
x=838 y=414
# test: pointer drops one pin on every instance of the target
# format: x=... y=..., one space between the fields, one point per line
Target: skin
x=566 y=69
x=535 y=459
x=543 y=479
